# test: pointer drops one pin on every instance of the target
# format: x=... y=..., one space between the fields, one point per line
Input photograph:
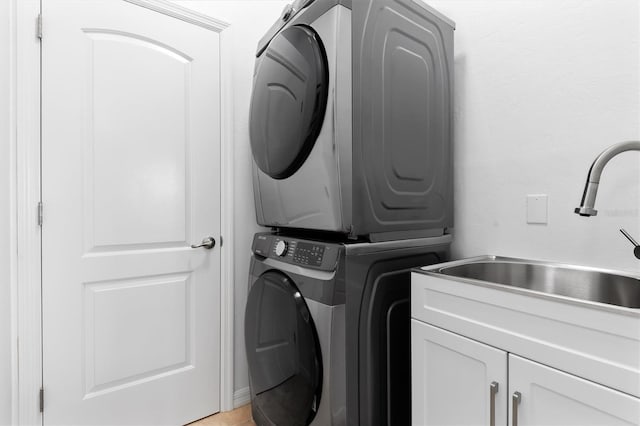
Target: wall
x=5 y=212
x=249 y=20
x=541 y=88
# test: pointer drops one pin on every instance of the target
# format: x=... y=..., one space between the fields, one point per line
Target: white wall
x=5 y=230
x=249 y=20
x=541 y=88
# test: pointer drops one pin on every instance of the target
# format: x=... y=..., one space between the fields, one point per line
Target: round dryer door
x=289 y=100
x=283 y=353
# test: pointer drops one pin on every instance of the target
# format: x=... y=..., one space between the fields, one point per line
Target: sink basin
x=575 y=282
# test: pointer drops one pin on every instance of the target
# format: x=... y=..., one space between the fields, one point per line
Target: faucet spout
x=587 y=204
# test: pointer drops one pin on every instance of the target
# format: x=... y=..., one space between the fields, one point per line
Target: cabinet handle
x=515 y=401
x=493 y=390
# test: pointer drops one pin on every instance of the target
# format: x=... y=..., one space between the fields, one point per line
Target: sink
x=576 y=282
x=580 y=320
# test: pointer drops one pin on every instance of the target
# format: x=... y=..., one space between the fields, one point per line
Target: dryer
x=327 y=329
x=350 y=119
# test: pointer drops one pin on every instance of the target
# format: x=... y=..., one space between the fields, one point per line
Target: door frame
x=26 y=242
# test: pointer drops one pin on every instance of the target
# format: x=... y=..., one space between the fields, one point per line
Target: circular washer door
x=289 y=100
x=283 y=353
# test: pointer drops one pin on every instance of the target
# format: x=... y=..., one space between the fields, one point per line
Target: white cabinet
x=456 y=381
x=465 y=339
x=550 y=397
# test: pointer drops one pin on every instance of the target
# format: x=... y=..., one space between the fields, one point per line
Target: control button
x=281 y=248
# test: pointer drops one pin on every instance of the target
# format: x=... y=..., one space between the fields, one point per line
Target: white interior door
x=130 y=179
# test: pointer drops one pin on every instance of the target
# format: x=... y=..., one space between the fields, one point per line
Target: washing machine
x=327 y=329
x=351 y=119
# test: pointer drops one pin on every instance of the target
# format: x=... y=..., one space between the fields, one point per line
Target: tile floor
x=238 y=417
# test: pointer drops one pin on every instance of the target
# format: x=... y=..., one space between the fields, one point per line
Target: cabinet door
x=452 y=379
x=551 y=397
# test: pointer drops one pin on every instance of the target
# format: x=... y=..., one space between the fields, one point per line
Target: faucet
x=593 y=179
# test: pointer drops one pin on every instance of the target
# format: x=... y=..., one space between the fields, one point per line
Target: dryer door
x=283 y=352
x=289 y=100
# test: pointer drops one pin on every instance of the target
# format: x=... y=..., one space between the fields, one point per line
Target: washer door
x=283 y=352
x=289 y=100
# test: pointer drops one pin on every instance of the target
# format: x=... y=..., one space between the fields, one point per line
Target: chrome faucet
x=593 y=178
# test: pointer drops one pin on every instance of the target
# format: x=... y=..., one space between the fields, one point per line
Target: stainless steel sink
x=575 y=282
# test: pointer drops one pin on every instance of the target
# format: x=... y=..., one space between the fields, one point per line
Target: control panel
x=305 y=253
x=308 y=254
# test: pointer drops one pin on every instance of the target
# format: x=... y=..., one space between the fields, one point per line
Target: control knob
x=281 y=248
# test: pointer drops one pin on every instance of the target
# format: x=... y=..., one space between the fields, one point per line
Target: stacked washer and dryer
x=350 y=127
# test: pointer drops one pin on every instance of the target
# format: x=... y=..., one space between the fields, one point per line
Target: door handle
x=493 y=390
x=207 y=243
x=515 y=401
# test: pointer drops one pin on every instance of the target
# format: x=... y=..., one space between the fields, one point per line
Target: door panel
x=452 y=376
x=130 y=169
x=552 y=397
x=145 y=202
x=120 y=347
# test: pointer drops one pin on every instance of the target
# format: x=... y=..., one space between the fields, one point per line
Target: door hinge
x=42 y=400
x=39 y=27
x=40 y=213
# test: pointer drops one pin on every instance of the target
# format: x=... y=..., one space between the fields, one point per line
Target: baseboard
x=241 y=397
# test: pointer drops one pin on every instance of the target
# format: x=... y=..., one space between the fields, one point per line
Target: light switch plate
x=537 y=208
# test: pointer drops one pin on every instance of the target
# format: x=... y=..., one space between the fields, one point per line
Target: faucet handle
x=636 y=250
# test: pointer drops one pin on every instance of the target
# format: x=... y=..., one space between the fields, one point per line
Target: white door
x=130 y=179
x=456 y=381
x=550 y=397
